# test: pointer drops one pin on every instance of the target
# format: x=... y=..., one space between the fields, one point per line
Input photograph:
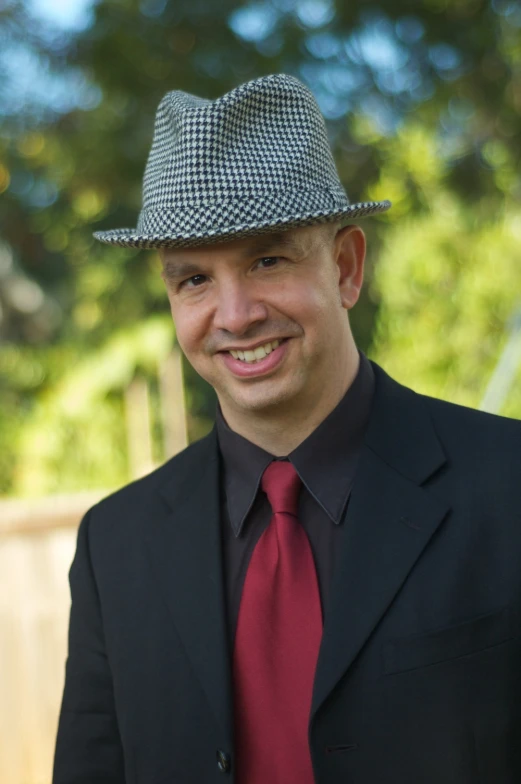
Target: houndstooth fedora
x=253 y=161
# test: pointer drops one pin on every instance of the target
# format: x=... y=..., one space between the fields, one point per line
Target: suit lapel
x=389 y=521
x=185 y=548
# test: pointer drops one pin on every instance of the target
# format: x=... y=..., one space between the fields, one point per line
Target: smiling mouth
x=257 y=354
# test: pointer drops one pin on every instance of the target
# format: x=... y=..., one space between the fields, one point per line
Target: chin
x=267 y=403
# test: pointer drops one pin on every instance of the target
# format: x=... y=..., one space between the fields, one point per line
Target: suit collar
x=400 y=430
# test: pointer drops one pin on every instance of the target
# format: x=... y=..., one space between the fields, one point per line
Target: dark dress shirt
x=326 y=463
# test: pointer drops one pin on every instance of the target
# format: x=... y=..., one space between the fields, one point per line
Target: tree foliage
x=423 y=102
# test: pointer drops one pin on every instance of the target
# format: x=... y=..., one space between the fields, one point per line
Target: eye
x=192 y=280
x=268 y=261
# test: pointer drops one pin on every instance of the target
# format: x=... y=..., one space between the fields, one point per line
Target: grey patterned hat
x=253 y=161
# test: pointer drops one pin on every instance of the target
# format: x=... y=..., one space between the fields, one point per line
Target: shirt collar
x=325 y=460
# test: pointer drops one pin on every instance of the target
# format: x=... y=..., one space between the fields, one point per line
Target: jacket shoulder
x=472 y=420
x=460 y=427
x=490 y=438
x=144 y=493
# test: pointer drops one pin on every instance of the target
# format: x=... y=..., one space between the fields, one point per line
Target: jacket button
x=223 y=761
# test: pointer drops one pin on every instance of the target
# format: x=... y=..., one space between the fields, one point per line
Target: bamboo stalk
x=173 y=407
x=139 y=436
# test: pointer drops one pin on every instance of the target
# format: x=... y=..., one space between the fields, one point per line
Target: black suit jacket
x=419 y=674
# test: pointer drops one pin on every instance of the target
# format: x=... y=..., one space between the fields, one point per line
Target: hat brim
x=131 y=238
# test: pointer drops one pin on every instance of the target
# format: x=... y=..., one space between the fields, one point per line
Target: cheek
x=318 y=302
x=303 y=298
x=188 y=327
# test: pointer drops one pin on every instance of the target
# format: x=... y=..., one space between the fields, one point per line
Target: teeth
x=257 y=354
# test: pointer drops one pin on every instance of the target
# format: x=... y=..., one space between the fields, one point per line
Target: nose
x=238 y=308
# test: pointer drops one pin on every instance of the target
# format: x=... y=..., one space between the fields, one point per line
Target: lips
x=257 y=353
x=258 y=367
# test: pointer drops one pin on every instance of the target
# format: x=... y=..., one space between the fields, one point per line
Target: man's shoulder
x=145 y=494
x=472 y=419
x=453 y=422
x=471 y=431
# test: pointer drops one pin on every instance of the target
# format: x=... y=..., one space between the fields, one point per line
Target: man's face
x=280 y=296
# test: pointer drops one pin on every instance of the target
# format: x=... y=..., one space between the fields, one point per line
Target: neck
x=281 y=431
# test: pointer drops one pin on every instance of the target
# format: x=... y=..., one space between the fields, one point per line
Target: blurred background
x=423 y=104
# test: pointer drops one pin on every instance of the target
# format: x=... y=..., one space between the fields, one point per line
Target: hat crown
x=265 y=135
x=252 y=161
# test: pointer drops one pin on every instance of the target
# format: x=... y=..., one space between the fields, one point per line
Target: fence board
x=34 y=611
x=28 y=516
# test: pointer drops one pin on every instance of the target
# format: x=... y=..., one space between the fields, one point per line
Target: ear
x=349 y=249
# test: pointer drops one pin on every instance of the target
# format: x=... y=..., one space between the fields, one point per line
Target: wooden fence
x=37 y=543
x=35 y=555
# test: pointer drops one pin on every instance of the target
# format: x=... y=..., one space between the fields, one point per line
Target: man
x=327 y=587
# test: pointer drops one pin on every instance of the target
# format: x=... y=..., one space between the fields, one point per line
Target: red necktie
x=279 y=629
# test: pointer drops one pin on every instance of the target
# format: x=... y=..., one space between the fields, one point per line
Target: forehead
x=296 y=242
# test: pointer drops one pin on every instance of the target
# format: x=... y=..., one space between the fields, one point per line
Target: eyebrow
x=174 y=269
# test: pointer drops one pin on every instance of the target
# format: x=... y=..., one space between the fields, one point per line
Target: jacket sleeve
x=88 y=746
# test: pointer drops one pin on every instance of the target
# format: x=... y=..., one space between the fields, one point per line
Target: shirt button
x=223 y=761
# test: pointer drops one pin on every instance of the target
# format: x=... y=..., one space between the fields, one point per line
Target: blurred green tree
x=423 y=102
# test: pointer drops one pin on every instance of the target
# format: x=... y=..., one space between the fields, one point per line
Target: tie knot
x=281 y=483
